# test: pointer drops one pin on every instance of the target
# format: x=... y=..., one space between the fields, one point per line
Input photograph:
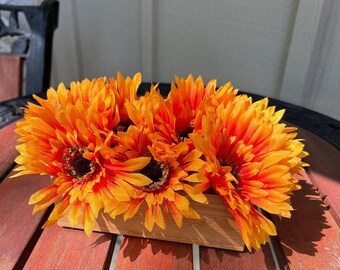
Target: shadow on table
x=102 y=239
x=133 y=246
x=323 y=157
x=302 y=232
x=255 y=260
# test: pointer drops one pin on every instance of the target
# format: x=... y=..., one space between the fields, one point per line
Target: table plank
x=225 y=259
x=141 y=253
x=62 y=248
x=18 y=228
x=310 y=239
x=324 y=173
x=8 y=140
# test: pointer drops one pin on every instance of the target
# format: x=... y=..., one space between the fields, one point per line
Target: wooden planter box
x=216 y=228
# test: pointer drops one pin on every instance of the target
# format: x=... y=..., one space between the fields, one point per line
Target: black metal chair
x=33 y=45
x=27 y=65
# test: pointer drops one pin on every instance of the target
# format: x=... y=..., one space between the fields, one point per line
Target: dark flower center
x=185 y=134
x=122 y=126
x=234 y=170
x=157 y=172
x=76 y=165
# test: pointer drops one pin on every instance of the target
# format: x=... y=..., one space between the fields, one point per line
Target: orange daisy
x=107 y=149
x=173 y=168
x=174 y=176
x=151 y=112
x=251 y=160
x=68 y=136
x=186 y=98
x=125 y=90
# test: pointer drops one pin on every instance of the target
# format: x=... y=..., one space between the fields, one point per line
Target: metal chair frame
x=35 y=46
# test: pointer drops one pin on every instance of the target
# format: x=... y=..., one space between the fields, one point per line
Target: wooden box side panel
x=216 y=228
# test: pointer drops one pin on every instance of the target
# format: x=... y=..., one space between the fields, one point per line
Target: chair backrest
x=32 y=28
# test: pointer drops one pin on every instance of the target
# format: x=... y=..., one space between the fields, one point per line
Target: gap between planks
x=195 y=254
x=33 y=241
x=274 y=245
x=196 y=260
x=116 y=250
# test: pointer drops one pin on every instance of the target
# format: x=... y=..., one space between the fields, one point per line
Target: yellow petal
x=42 y=193
x=57 y=213
x=176 y=214
x=149 y=219
x=181 y=202
x=150 y=199
x=135 y=164
x=169 y=194
x=132 y=209
x=158 y=215
x=196 y=178
x=136 y=179
x=191 y=213
x=195 y=165
x=95 y=201
x=45 y=202
x=75 y=214
x=88 y=220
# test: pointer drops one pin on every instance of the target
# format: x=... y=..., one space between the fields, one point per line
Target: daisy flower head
x=251 y=160
x=67 y=136
x=108 y=150
x=173 y=167
x=187 y=99
x=125 y=89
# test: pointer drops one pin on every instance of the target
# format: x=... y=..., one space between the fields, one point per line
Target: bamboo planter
x=216 y=228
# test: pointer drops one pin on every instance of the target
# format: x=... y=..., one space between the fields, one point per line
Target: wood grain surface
x=212 y=259
x=18 y=227
x=216 y=228
x=324 y=172
x=60 y=248
x=140 y=253
x=10 y=77
x=310 y=239
x=7 y=148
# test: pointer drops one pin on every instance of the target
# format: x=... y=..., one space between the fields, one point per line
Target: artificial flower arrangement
x=109 y=150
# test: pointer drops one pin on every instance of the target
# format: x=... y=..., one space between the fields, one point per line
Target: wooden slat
x=216 y=228
x=10 y=77
x=141 y=253
x=310 y=239
x=226 y=259
x=324 y=160
x=60 y=248
x=7 y=148
x=17 y=225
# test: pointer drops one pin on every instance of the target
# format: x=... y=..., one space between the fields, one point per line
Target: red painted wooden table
x=309 y=240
